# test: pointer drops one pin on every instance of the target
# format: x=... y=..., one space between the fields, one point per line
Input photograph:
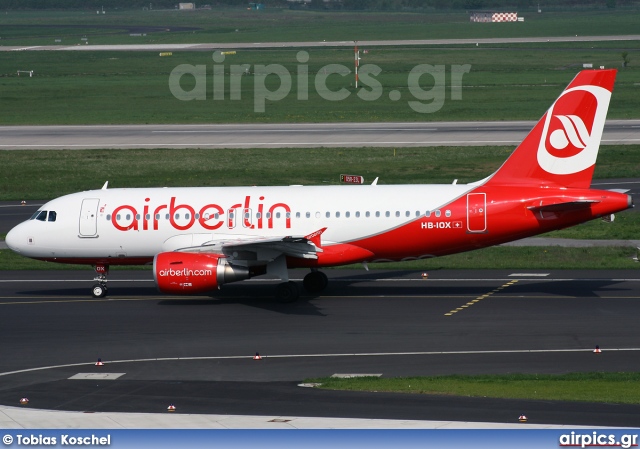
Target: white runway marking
x=529 y=274
x=262 y=145
x=302 y=356
x=96 y=376
x=287 y=130
x=352 y=376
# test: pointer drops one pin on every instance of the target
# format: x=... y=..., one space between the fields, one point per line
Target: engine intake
x=185 y=273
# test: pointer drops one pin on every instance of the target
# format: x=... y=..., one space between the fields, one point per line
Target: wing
x=248 y=250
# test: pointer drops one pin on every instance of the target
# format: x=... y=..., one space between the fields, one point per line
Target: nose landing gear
x=100 y=290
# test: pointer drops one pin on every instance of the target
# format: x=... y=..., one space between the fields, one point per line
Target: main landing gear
x=314 y=282
x=100 y=290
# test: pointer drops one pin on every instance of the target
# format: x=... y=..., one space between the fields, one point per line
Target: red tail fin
x=563 y=146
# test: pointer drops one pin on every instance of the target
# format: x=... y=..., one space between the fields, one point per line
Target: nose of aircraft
x=13 y=239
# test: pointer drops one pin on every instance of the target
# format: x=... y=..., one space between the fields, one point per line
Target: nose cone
x=14 y=239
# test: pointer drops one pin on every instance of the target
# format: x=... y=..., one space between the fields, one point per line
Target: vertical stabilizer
x=562 y=148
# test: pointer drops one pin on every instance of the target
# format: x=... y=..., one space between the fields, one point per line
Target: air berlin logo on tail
x=572 y=130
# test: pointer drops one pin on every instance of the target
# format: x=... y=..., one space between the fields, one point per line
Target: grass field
x=505 y=82
x=616 y=388
x=512 y=83
x=278 y=25
x=52 y=173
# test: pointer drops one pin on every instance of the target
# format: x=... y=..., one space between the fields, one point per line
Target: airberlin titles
x=210 y=216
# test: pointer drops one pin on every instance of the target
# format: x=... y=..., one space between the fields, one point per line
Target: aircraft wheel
x=315 y=282
x=99 y=291
x=287 y=292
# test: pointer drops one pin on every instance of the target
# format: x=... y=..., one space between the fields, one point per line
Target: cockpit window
x=43 y=215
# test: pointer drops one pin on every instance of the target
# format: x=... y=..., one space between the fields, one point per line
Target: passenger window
x=387 y=214
x=377 y=213
x=308 y=214
x=108 y=217
x=438 y=213
x=328 y=215
x=358 y=214
x=52 y=216
x=427 y=214
x=337 y=214
x=347 y=214
x=367 y=214
x=277 y=214
x=407 y=214
x=447 y=213
x=297 y=214
x=397 y=213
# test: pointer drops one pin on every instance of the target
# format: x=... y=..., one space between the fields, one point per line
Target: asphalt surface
x=389 y=323
x=310 y=135
x=324 y=43
x=197 y=352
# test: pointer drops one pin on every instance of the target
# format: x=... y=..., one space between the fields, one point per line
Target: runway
x=197 y=352
x=616 y=132
x=324 y=43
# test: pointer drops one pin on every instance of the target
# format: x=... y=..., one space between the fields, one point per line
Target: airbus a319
x=199 y=239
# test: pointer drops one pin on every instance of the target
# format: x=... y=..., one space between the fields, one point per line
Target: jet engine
x=185 y=273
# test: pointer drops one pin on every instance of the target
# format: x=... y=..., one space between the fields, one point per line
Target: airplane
x=201 y=238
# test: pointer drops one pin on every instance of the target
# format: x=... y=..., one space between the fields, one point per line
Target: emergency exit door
x=89 y=217
x=477 y=212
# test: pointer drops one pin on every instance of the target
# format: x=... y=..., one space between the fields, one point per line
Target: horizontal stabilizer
x=563 y=206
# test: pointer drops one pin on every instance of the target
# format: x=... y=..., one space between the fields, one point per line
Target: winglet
x=314 y=237
x=104 y=187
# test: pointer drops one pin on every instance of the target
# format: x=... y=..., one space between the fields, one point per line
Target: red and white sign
x=352 y=179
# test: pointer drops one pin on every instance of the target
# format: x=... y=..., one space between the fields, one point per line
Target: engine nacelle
x=185 y=273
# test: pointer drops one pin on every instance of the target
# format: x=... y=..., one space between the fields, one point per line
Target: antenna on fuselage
x=104 y=187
